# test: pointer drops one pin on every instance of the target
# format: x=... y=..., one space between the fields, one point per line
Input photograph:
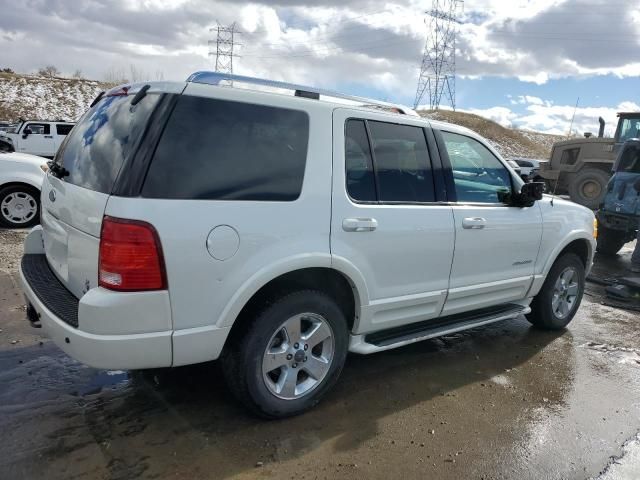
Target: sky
x=522 y=63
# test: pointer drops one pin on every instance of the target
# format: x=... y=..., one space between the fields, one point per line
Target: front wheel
x=19 y=206
x=289 y=355
x=560 y=296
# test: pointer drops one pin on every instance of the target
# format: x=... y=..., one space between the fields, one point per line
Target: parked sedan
x=21 y=178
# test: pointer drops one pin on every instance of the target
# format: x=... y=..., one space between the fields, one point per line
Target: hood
x=23 y=158
x=622 y=196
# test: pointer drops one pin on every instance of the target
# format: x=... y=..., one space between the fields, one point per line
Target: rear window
x=221 y=150
x=96 y=148
x=63 y=129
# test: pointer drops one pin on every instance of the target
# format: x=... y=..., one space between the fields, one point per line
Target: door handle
x=48 y=136
x=474 y=223
x=359 y=224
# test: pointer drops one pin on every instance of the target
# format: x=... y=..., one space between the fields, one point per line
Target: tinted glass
x=630 y=161
x=222 y=150
x=96 y=148
x=478 y=175
x=630 y=129
x=63 y=129
x=402 y=164
x=360 y=179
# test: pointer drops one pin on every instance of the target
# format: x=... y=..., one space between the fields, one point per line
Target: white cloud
x=556 y=119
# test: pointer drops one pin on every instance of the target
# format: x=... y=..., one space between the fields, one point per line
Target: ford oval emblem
x=52 y=195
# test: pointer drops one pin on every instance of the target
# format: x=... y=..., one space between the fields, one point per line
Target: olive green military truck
x=581 y=167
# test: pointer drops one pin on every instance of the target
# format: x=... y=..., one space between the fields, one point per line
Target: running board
x=416 y=332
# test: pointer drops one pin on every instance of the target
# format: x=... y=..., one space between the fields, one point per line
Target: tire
x=544 y=312
x=588 y=187
x=610 y=241
x=247 y=366
x=19 y=206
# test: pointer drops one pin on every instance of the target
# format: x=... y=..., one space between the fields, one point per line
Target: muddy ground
x=503 y=401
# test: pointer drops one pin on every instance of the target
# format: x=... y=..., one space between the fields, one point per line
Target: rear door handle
x=359 y=224
x=48 y=136
x=474 y=223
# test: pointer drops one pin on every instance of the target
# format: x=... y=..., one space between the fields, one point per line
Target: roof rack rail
x=214 y=78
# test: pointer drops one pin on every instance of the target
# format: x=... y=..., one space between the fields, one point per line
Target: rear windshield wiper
x=97 y=99
x=140 y=95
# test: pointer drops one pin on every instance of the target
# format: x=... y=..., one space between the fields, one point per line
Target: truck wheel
x=560 y=296
x=610 y=241
x=19 y=206
x=588 y=187
x=289 y=355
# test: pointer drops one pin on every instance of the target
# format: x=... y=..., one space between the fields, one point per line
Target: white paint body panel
x=406 y=260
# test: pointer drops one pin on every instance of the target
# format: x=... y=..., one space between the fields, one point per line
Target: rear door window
x=62 y=129
x=96 y=148
x=401 y=161
x=359 y=164
x=215 y=149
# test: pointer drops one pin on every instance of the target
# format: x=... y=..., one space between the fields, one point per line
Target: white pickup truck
x=37 y=137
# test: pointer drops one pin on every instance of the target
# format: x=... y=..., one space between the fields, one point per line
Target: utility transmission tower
x=222 y=47
x=438 y=67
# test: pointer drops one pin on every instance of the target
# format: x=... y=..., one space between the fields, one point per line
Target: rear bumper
x=131 y=351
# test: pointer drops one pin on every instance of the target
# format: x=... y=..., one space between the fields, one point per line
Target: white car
x=188 y=222
x=37 y=137
x=21 y=178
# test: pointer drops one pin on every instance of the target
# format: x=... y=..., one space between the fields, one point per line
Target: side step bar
x=416 y=332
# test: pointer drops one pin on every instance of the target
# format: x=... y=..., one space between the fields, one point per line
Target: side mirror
x=26 y=132
x=529 y=194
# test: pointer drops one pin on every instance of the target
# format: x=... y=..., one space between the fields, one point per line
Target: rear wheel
x=289 y=355
x=19 y=206
x=588 y=186
x=610 y=241
x=560 y=296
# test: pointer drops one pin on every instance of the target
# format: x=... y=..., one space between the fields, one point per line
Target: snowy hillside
x=510 y=143
x=28 y=96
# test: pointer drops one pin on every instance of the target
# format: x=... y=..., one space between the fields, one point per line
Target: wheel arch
x=327 y=279
x=28 y=182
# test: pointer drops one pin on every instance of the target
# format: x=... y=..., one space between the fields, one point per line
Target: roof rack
x=214 y=78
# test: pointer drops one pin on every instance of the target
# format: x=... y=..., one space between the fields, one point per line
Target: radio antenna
x=555 y=185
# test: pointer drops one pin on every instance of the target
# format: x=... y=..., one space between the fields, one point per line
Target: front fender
x=32 y=179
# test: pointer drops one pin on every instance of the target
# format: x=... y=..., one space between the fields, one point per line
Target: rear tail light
x=130 y=256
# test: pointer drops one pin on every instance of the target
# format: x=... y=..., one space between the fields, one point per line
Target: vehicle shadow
x=144 y=424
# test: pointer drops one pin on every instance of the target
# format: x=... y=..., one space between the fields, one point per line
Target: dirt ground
x=502 y=401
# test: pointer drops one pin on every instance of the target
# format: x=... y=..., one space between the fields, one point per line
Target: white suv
x=37 y=137
x=186 y=222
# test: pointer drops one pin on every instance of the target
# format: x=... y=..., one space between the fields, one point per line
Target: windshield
x=105 y=136
x=630 y=128
x=630 y=161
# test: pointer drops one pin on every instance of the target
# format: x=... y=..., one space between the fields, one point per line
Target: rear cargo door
x=74 y=201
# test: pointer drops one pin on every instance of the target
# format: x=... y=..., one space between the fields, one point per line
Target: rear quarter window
x=96 y=148
x=222 y=150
